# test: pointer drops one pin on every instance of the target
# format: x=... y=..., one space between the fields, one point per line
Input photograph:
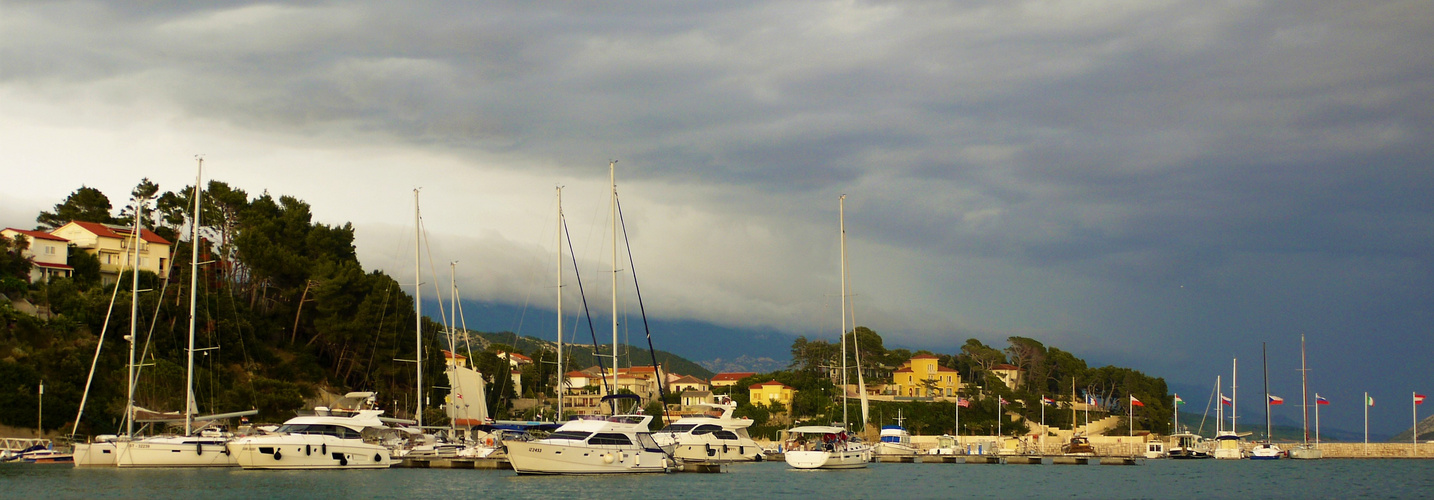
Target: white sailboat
x=1228 y=445
x=1306 y=451
x=616 y=444
x=1267 y=450
x=829 y=447
x=204 y=448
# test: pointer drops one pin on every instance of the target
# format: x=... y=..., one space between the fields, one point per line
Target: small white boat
x=617 y=444
x=1187 y=446
x=47 y=456
x=946 y=444
x=1229 y=446
x=895 y=442
x=1155 y=449
x=1267 y=451
x=330 y=439
x=711 y=436
x=825 y=447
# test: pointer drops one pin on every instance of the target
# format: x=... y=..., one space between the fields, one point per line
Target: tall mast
x=1265 y=362
x=1304 y=391
x=418 y=307
x=612 y=180
x=841 y=213
x=560 y=306
x=1219 y=408
x=1233 y=400
x=193 y=293
x=451 y=366
x=133 y=310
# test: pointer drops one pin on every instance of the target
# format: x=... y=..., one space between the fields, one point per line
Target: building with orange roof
x=50 y=254
x=923 y=376
x=111 y=245
x=770 y=392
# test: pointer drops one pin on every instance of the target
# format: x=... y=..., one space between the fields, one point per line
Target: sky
x=1162 y=185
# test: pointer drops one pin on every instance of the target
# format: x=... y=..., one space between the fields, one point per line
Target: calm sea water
x=1153 y=479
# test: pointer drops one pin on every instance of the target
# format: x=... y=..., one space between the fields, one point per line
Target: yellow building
x=111 y=245
x=770 y=392
x=912 y=378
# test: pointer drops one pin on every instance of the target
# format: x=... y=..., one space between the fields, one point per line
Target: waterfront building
x=50 y=254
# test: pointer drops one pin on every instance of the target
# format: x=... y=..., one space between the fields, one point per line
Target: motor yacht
x=825 y=447
x=616 y=444
x=711 y=436
x=329 y=439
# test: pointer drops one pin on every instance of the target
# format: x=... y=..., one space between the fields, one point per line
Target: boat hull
x=308 y=452
x=546 y=458
x=1306 y=454
x=174 y=451
x=102 y=454
x=707 y=452
x=894 y=450
x=847 y=459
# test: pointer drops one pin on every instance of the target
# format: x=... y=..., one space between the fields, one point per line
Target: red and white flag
x=963 y=402
x=1135 y=402
x=1418 y=399
x=1226 y=400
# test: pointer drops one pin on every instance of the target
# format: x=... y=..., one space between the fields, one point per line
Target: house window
x=49 y=250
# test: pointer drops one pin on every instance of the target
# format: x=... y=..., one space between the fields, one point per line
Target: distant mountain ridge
x=582 y=354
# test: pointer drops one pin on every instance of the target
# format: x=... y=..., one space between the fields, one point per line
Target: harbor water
x=1152 y=479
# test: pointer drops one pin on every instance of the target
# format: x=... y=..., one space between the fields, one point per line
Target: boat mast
x=612 y=180
x=193 y=293
x=418 y=307
x=450 y=365
x=560 y=306
x=1233 y=427
x=1304 y=391
x=841 y=213
x=139 y=201
x=1219 y=409
x=1265 y=362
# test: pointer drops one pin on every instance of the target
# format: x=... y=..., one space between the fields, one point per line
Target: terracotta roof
x=770 y=382
x=732 y=376
x=54 y=266
x=1004 y=366
x=37 y=234
x=576 y=374
x=905 y=369
x=119 y=233
x=451 y=355
x=925 y=356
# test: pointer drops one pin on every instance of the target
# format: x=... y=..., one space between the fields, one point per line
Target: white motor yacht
x=711 y=436
x=895 y=442
x=330 y=439
x=825 y=447
x=617 y=444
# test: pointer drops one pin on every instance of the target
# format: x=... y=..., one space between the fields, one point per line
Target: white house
x=48 y=252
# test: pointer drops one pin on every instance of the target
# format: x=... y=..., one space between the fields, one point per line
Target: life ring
x=377 y=457
x=489 y=442
x=277 y=455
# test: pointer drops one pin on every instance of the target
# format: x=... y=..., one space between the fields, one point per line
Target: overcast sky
x=1155 y=184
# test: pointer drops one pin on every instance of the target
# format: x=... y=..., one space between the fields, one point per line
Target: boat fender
x=607 y=458
x=377 y=457
x=637 y=460
x=725 y=450
x=308 y=450
x=324 y=449
x=199 y=448
x=278 y=455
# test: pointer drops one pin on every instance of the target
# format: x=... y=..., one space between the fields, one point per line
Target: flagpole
x=1131 y=419
x=1414 y=405
x=999 y=400
x=1044 y=431
x=1366 y=423
x=1176 y=406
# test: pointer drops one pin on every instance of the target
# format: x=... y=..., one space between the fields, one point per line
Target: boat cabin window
x=338 y=431
x=573 y=435
x=724 y=435
x=678 y=428
x=610 y=438
x=705 y=429
x=644 y=439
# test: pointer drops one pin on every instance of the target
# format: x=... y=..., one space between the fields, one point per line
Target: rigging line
x=248 y=362
x=104 y=328
x=153 y=320
x=433 y=272
x=632 y=267
x=378 y=330
x=602 y=372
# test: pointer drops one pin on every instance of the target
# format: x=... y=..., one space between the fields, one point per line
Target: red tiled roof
x=925 y=356
x=732 y=376
x=769 y=382
x=905 y=369
x=451 y=355
x=53 y=266
x=576 y=374
x=109 y=232
x=1004 y=366
x=37 y=234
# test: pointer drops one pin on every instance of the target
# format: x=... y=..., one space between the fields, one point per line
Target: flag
x=1179 y=401
x=1003 y=401
x=1135 y=402
x=1418 y=399
x=1369 y=401
x=1047 y=401
x=963 y=402
x=1090 y=400
x=1226 y=400
x=1320 y=400
x=1276 y=400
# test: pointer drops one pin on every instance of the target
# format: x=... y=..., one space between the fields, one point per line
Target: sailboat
x=1228 y=445
x=615 y=444
x=1266 y=450
x=831 y=447
x=1306 y=451
x=207 y=447
x=102 y=451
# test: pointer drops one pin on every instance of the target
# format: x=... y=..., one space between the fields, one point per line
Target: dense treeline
x=1046 y=372
x=285 y=310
